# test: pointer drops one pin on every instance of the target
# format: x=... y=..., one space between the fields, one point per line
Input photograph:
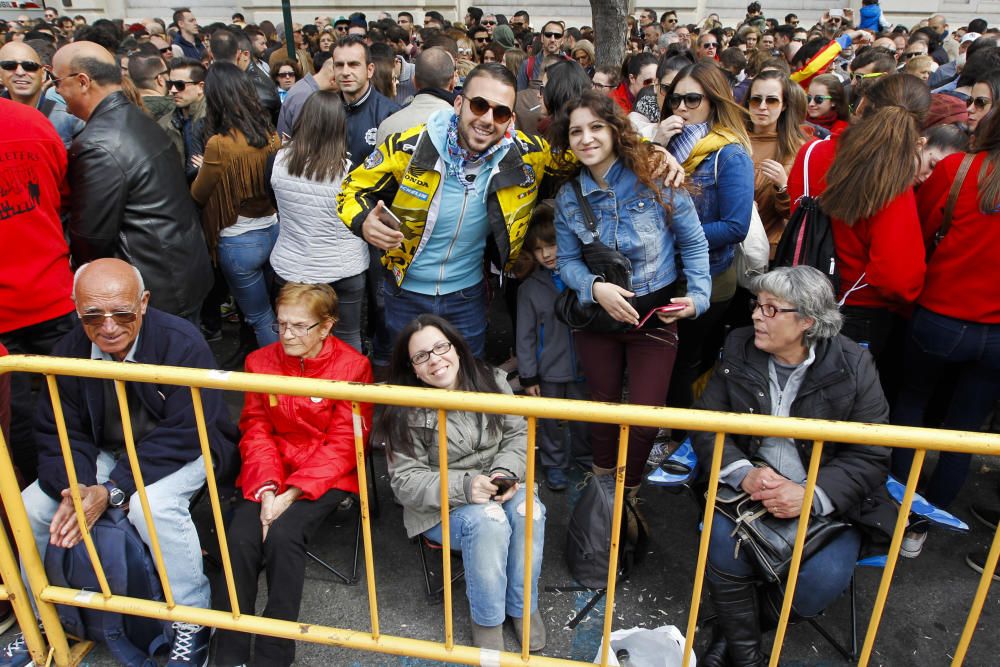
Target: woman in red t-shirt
x=954 y=335
x=869 y=196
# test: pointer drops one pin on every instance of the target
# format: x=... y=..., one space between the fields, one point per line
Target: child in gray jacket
x=546 y=357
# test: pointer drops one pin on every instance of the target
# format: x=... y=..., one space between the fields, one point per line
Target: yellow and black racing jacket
x=405 y=173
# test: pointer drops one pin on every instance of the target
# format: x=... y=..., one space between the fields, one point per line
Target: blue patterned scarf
x=458 y=157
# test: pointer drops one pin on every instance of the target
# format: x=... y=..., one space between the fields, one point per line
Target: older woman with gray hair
x=793 y=362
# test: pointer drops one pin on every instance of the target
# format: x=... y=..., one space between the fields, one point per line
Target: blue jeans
x=942 y=348
x=465 y=309
x=491 y=539
x=822 y=578
x=169 y=501
x=244 y=260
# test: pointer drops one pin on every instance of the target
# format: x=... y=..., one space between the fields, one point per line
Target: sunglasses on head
x=980 y=102
x=179 y=85
x=97 y=319
x=771 y=101
x=552 y=35
x=26 y=65
x=479 y=106
x=690 y=100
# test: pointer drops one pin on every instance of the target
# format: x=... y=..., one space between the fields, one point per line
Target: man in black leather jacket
x=234 y=47
x=129 y=196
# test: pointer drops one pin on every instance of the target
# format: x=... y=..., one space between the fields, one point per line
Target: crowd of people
x=359 y=196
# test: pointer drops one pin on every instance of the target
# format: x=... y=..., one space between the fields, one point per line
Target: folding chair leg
x=423 y=567
x=334 y=571
x=854 y=618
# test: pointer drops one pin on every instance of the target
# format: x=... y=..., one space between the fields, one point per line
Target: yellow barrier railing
x=46 y=595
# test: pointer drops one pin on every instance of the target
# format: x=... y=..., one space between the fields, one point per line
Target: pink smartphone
x=670 y=308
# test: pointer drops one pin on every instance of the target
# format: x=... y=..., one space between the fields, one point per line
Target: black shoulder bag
x=609 y=265
x=770 y=540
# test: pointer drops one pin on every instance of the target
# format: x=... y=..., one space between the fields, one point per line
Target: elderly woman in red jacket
x=298 y=465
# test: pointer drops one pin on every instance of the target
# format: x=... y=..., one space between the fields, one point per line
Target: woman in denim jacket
x=705 y=130
x=647 y=222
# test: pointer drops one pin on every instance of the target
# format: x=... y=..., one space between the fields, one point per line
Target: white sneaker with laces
x=658 y=454
x=913 y=544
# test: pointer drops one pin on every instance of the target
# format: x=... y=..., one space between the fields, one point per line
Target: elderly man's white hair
x=138 y=278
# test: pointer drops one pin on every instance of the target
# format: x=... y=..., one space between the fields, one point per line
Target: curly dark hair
x=640 y=157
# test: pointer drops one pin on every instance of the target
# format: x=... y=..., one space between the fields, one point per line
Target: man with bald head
x=22 y=74
x=130 y=196
x=435 y=77
x=117 y=325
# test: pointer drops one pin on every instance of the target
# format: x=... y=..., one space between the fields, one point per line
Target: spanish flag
x=817 y=65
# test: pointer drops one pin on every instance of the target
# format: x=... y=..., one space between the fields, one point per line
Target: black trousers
x=34 y=339
x=282 y=556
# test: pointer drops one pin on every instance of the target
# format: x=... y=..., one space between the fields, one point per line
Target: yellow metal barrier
x=47 y=595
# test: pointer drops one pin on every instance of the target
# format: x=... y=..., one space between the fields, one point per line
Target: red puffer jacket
x=302 y=441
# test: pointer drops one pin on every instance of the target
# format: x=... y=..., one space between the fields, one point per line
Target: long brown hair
x=725 y=112
x=318 y=149
x=986 y=139
x=637 y=155
x=789 y=130
x=877 y=155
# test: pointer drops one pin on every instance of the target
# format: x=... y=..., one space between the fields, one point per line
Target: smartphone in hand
x=669 y=308
x=503 y=485
x=388 y=218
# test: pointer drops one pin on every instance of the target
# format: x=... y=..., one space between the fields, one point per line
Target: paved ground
x=921 y=625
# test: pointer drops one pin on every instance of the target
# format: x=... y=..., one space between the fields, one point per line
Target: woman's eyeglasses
x=980 y=103
x=479 y=106
x=296 y=329
x=769 y=310
x=440 y=349
x=771 y=101
x=817 y=99
x=690 y=100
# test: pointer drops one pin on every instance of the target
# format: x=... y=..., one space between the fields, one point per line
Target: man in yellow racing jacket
x=452 y=184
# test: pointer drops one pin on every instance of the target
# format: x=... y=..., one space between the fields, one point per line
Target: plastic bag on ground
x=645 y=647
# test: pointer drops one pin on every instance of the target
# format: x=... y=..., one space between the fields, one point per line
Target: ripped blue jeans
x=491 y=539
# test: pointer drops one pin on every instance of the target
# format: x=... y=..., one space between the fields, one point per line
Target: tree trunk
x=610 y=30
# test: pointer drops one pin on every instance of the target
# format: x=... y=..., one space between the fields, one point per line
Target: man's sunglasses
x=479 y=106
x=710 y=45
x=97 y=319
x=858 y=78
x=26 y=65
x=980 y=102
x=690 y=100
x=179 y=85
x=488 y=23
x=552 y=35
x=483 y=40
x=912 y=54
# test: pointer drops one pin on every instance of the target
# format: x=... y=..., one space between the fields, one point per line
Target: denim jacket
x=631 y=220
x=724 y=205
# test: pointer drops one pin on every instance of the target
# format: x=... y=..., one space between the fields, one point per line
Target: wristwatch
x=116 y=497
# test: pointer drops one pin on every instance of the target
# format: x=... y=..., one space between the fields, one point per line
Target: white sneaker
x=913 y=544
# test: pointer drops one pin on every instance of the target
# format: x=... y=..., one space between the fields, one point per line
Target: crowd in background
x=401 y=185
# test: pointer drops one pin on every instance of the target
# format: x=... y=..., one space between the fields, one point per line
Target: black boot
x=735 y=600
x=716 y=655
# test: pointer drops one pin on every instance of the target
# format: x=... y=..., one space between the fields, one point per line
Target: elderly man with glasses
x=117 y=324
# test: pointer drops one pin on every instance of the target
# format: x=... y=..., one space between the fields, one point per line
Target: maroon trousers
x=649 y=355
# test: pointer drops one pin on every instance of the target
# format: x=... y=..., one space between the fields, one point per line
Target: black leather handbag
x=612 y=267
x=768 y=539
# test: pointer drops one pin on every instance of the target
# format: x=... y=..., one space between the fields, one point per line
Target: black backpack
x=588 y=537
x=130 y=570
x=808 y=236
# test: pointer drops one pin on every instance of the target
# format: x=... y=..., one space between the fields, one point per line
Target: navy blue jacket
x=164 y=340
x=363 y=118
